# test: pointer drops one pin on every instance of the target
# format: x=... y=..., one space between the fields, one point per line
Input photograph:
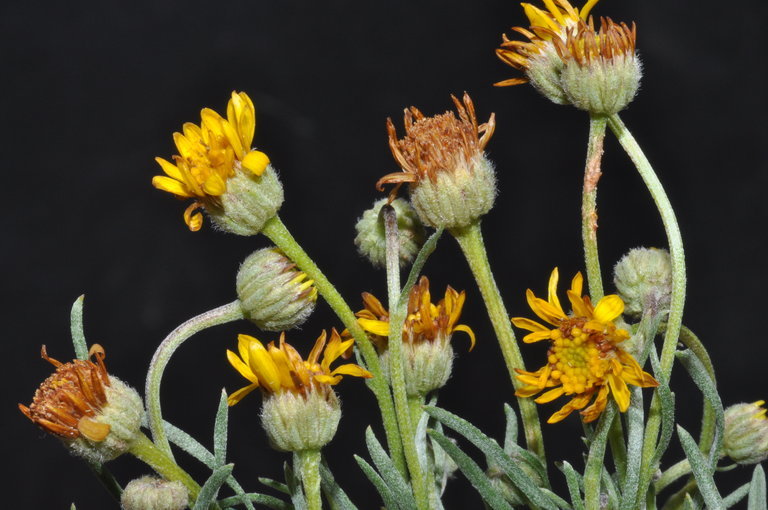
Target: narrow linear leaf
x=72 y=507
x=701 y=469
x=557 y=500
x=239 y=492
x=495 y=453
x=635 y=421
x=210 y=488
x=294 y=488
x=107 y=479
x=688 y=504
x=575 y=482
x=381 y=487
x=188 y=444
x=510 y=433
x=76 y=327
x=610 y=487
x=253 y=497
x=757 y=497
x=274 y=484
x=736 y=496
x=472 y=471
x=400 y=488
x=667 y=401
x=335 y=495
x=220 y=432
x=701 y=377
x=418 y=264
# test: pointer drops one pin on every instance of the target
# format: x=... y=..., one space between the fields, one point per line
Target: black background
x=93 y=91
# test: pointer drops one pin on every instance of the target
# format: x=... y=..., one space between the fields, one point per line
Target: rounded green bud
x=371 y=239
x=456 y=198
x=427 y=366
x=121 y=416
x=296 y=422
x=643 y=278
x=248 y=203
x=151 y=493
x=745 y=440
x=601 y=73
x=274 y=294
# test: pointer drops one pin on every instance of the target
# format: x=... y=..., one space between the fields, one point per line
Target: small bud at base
x=371 y=239
x=643 y=278
x=295 y=422
x=745 y=440
x=150 y=493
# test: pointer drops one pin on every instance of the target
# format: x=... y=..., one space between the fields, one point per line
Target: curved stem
x=470 y=240
x=277 y=232
x=672 y=474
x=675 y=240
x=227 y=313
x=309 y=467
x=145 y=450
x=397 y=315
x=592 y=175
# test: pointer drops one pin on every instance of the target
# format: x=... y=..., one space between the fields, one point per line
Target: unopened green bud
x=296 y=422
x=249 y=202
x=543 y=72
x=274 y=294
x=151 y=493
x=96 y=415
x=452 y=183
x=371 y=237
x=643 y=278
x=506 y=488
x=745 y=440
x=602 y=73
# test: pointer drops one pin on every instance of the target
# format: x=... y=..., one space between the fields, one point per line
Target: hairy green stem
x=470 y=240
x=145 y=450
x=277 y=232
x=672 y=474
x=309 y=467
x=221 y=315
x=592 y=175
x=708 y=421
x=397 y=314
x=675 y=240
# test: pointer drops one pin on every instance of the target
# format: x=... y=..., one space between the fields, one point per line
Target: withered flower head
x=96 y=415
x=441 y=157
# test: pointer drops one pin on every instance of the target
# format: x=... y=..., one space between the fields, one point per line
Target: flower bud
x=295 y=422
x=745 y=440
x=602 y=73
x=506 y=488
x=452 y=183
x=96 y=415
x=274 y=294
x=643 y=278
x=427 y=366
x=249 y=201
x=371 y=237
x=150 y=493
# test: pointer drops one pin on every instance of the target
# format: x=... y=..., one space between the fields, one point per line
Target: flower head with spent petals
x=585 y=360
x=280 y=369
x=215 y=161
x=427 y=333
x=451 y=181
x=300 y=411
x=96 y=415
x=538 y=57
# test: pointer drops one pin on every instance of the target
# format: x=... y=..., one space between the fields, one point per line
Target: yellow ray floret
x=209 y=154
x=425 y=322
x=585 y=360
x=277 y=369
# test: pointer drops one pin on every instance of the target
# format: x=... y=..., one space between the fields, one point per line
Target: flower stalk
x=592 y=173
x=309 y=467
x=396 y=366
x=470 y=240
x=221 y=315
x=148 y=452
x=278 y=233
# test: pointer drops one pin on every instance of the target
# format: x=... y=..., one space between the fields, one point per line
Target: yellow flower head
x=584 y=358
x=426 y=322
x=209 y=154
x=548 y=27
x=280 y=369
